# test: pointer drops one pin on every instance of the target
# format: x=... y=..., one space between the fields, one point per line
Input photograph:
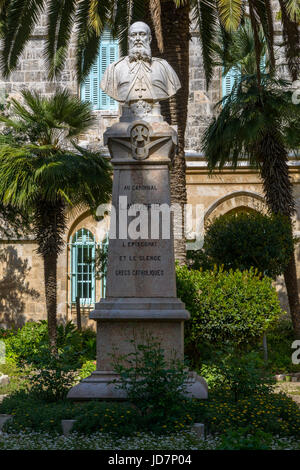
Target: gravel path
x=292 y=389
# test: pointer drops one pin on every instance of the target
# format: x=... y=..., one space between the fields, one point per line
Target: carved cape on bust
x=131 y=80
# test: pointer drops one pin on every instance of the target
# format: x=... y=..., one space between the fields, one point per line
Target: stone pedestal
x=141 y=285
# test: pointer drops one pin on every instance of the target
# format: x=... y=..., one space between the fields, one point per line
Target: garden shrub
x=242 y=375
x=280 y=338
x=49 y=378
x=28 y=344
x=24 y=343
x=237 y=307
x=242 y=439
x=273 y=413
x=52 y=380
x=154 y=385
x=246 y=240
x=87 y=368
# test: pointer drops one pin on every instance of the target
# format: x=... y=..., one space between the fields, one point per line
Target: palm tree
x=19 y=17
x=260 y=121
x=42 y=177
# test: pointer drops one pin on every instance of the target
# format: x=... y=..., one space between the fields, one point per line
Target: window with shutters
x=90 y=90
x=234 y=74
x=229 y=80
x=83 y=249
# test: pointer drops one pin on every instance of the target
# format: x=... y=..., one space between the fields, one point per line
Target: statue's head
x=139 y=40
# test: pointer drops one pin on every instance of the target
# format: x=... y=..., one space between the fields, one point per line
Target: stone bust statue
x=139 y=81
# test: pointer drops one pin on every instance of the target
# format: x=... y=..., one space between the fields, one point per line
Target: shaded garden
x=238 y=337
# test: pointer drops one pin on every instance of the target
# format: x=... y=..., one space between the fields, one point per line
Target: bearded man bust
x=139 y=77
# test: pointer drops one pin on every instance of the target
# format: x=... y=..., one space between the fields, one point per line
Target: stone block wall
x=201 y=100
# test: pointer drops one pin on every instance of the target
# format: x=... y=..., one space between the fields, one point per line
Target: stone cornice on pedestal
x=140 y=309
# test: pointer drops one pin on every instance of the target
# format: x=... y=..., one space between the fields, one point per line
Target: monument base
x=123 y=323
x=99 y=386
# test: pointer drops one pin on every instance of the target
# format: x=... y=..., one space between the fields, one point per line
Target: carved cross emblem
x=140 y=138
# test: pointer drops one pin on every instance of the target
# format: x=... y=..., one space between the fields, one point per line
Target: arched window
x=234 y=74
x=83 y=267
x=83 y=252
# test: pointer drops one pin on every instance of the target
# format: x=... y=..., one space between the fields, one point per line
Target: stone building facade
x=21 y=269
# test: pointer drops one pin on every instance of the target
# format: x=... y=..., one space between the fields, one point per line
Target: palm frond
x=60 y=20
x=95 y=17
x=230 y=13
x=248 y=114
x=49 y=120
x=3 y=5
x=181 y=3
x=263 y=9
x=239 y=52
x=257 y=42
x=291 y=40
x=3 y=12
x=293 y=9
x=205 y=15
x=90 y=19
x=119 y=21
x=21 y=17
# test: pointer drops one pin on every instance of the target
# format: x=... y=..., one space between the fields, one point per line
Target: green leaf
x=230 y=13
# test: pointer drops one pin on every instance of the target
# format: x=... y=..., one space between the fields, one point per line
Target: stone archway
x=236 y=201
x=244 y=201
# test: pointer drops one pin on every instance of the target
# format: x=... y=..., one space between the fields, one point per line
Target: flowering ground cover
x=144 y=441
x=274 y=413
x=244 y=409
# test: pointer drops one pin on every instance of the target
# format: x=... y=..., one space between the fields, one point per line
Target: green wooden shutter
x=83 y=252
x=263 y=64
x=90 y=87
x=109 y=53
x=228 y=81
x=90 y=90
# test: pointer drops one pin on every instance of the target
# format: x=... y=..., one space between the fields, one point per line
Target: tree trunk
x=278 y=190
x=291 y=282
x=175 y=27
x=50 y=276
x=50 y=225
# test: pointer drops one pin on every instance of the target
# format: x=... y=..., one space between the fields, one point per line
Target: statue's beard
x=140 y=53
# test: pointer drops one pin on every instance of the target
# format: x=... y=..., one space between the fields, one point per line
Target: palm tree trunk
x=50 y=276
x=175 y=27
x=50 y=225
x=291 y=282
x=279 y=196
